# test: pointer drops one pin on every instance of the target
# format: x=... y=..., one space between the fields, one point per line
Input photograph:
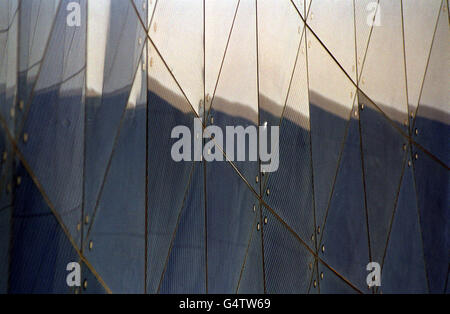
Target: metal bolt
x=409 y=163
x=25 y=137
x=91 y=245
x=265 y=220
x=257 y=226
x=315 y=283
x=257 y=179
x=321 y=276
x=268 y=192
x=86 y=219
x=323 y=248
x=21 y=105
x=416 y=156
x=416 y=131
x=19 y=180
x=85 y=284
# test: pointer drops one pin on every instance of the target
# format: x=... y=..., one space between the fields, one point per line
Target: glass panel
x=58 y=100
x=419 y=29
x=230 y=203
x=331 y=283
x=279 y=32
x=293 y=199
x=9 y=62
x=432 y=187
x=118 y=222
x=383 y=80
x=236 y=99
x=93 y=285
x=185 y=265
x=325 y=15
x=40 y=248
x=177 y=32
x=97 y=30
x=167 y=180
x=105 y=112
x=8 y=43
x=383 y=76
x=384 y=156
x=219 y=17
x=231 y=210
x=286 y=259
x=331 y=97
x=343 y=238
x=252 y=273
x=432 y=123
x=367 y=17
x=405 y=245
x=36 y=25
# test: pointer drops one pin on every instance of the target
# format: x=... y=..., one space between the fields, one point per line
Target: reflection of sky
x=177 y=31
x=98 y=15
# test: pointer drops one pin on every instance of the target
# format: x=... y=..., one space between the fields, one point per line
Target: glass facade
x=91 y=91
